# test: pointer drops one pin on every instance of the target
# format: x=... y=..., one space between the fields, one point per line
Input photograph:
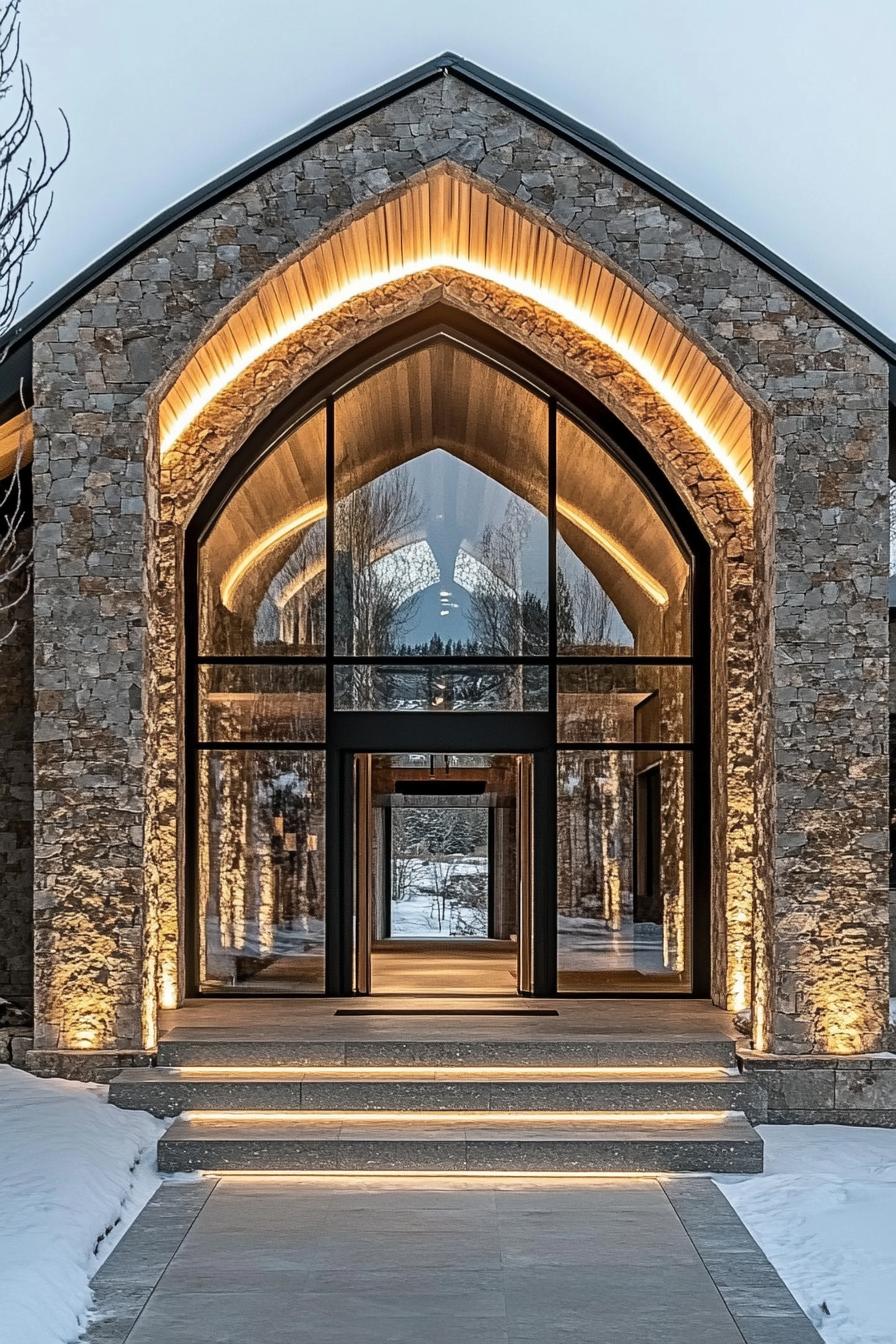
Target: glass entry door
x=443 y=873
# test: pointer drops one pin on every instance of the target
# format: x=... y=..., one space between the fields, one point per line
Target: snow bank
x=824 y=1212
x=76 y=1172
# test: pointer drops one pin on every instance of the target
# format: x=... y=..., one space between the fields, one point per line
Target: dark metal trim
x=394 y=733
x=451 y=659
x=544 y=873
x=596 y=146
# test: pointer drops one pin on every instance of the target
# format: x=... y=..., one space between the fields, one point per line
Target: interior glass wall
x=441 y=536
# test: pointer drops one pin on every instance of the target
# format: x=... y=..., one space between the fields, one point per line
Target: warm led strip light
x=424 y=1072
x=529 y=289
x=266 y=542
x=313 y=513
x=642 y=577
x=456 y=1119
x=452 y=1176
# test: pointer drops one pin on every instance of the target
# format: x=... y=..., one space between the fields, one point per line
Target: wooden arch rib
x=447 y=220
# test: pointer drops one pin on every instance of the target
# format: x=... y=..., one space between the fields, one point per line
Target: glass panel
x=262 y=566
x=623 y=870
x=246 y=703
x=441 y=511
x=623 y=703
x=439 y=687
x=261 y=878
x=623 y=582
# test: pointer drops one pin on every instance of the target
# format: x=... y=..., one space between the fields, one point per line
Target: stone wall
x=892 y=806
x=820 y=523
x=16 y=775
x=823 y=1089
x=15 y=1043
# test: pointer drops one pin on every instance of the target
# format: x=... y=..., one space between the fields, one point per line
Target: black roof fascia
x=589 y=141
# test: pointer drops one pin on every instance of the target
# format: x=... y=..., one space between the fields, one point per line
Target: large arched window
x=442 y=535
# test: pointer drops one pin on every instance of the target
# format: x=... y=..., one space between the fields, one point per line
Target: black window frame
x=350 y=731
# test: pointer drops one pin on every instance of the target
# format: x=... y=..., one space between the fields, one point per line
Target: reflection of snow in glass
x=410 y=569
x=585 y=944
x=473 y=575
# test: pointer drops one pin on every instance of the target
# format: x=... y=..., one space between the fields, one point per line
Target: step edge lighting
x=411 y=1118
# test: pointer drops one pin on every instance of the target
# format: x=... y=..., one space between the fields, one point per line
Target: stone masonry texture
x=16 y=784
x=820 y=785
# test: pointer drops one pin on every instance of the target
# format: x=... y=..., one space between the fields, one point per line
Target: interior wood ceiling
x=443 y=397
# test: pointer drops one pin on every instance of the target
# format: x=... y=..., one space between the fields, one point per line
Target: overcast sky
x=780 y=114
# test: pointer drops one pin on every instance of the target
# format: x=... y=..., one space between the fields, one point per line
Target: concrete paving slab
x=400 y=1260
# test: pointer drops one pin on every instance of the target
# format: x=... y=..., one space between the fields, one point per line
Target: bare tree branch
x=27 y=170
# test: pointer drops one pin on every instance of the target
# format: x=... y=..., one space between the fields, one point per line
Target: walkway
x=411 y=1260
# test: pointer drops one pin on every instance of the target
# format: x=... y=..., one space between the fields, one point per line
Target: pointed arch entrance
x=442 y=564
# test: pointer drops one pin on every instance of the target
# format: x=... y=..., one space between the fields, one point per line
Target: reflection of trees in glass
x=506 y=619
x=298 y=596
x=263 y=878
x=584 y=612
x=445 y=688
x=376 y=570
x=594 y=837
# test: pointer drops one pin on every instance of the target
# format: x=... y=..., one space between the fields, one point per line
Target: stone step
x=170 y=1091
x=474 y=1141
x=225 y=1049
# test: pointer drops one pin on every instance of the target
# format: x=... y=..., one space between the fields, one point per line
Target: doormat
x=446 y=1012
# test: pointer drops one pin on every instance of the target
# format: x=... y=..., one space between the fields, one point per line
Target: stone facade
x=15 y=1043
x=810 y=585
x=892 y=807
x=822 y=1089
x=16 y=786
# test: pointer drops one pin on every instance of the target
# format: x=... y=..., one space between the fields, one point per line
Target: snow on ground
x=415 y=915
x=824 y=1212
x=76 y=1172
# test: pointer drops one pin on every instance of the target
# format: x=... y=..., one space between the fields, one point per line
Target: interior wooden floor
x=444 y=971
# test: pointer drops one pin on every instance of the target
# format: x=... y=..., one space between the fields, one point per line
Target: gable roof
x=15 y=369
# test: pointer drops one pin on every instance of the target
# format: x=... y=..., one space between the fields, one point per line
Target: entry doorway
x=443 y=873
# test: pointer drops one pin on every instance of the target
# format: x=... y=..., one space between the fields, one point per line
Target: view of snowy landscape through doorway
x=440 y=873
